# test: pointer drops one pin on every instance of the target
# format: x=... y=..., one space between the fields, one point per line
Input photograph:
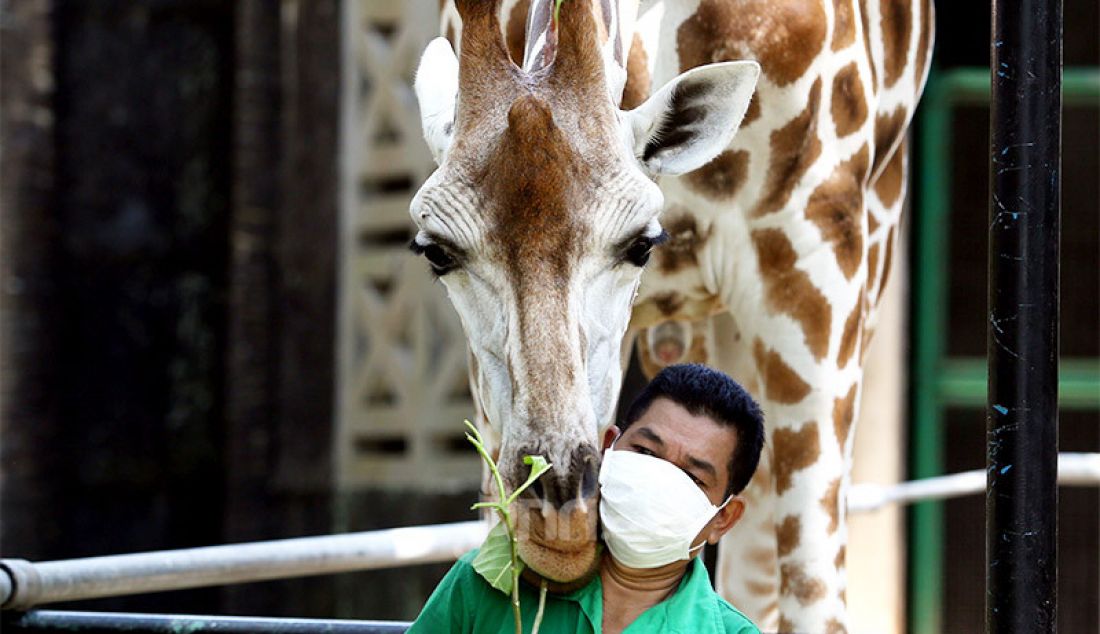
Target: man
x=669 y=484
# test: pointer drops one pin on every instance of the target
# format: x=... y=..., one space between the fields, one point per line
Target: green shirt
x=464 y=602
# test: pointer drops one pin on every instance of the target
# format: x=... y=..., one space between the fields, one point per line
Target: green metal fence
x=940 y=381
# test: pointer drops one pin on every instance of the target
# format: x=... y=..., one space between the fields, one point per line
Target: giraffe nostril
x=589 y=480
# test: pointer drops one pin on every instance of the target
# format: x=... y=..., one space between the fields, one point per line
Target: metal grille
x=402 y=389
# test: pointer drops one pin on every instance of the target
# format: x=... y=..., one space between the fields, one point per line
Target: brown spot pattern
x=886 y=262
x=783 y=35
x=785 y=625
x=794 y=148
x=844 y=415
x=841 y=557
x=794 y=451
x=801 y=586
x=788 y=534
x=721 y=178
x=836 y=207
x=867 y=42
x=889 y=183
x=924 y=40
x=872 y=262
x=849 y=103
x=888 y=129
x=760 y=588
x=833 y=626
x=789 y=290
x=781 y=383
x=844 y=29
x=638 y=81
x=753 y=111
x=684 y=241
x=850 y=335
x=897 y=25
x=668 y=303
x=831 y=503
x=762 y=557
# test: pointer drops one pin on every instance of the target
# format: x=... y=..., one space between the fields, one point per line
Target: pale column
x=876 y=540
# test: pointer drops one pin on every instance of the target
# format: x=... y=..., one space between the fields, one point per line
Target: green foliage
x=494 y=559
x=498 y=559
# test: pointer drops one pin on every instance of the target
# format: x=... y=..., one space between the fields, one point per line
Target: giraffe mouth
x=560 y=545
x=560 y=565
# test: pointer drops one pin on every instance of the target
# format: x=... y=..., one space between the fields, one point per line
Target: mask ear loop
x=716 y=510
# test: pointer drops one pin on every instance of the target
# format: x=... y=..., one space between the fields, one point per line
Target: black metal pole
x=1024 y=210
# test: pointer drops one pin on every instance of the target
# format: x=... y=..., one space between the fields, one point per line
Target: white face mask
x=650 y=509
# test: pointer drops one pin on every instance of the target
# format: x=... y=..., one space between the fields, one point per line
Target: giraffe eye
x=438 y=258
x=639 y=251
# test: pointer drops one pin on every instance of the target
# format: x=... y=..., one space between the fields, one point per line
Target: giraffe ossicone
x=538 y=220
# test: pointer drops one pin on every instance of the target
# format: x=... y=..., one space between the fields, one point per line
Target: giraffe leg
x=812 y=412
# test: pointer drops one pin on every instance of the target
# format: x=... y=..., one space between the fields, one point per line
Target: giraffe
x=778 y=243
x=538 y=222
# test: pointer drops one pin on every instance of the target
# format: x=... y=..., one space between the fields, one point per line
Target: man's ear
x=436 y=89
x=692 y=118
x=727 y=517
x=610 y=436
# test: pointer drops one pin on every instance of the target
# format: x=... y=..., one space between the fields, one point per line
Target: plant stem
x=507 y=519
x=542 y=604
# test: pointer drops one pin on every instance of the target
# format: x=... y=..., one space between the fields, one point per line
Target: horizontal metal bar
x=31 y=584
x=28 y=584
x=1074 y=469
x=962 y=382
x=64 y=621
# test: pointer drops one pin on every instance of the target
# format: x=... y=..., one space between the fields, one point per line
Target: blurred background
x=212 y=331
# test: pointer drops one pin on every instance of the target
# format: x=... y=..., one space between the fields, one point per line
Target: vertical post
x=1022 y=430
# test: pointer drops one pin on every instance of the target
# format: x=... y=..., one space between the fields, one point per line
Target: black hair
x=704 y=391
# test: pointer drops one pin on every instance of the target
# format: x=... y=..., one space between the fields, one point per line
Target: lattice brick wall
x=402 y=383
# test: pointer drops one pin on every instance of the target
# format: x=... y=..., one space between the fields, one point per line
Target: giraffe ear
x=436 y=89
x=692 y=118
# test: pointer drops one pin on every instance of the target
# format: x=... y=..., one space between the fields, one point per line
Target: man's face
x=696 y=444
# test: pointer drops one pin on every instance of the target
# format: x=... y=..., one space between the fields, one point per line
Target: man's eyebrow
x=649 y=434
x=704 y=465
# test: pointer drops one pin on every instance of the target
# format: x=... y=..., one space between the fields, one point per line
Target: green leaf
x=494 y=560
x=539 y=466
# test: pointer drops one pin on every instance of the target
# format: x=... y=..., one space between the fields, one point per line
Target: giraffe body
x=791 y=231
x=779 y=249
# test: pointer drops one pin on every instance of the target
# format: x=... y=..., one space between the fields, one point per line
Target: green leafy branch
x=498 y=559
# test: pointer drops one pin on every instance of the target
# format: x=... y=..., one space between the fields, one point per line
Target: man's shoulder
x=467 y=560
x=463 y=571
x=733 y=620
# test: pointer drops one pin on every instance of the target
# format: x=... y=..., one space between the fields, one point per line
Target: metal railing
x=24 y=584
x=65 y=621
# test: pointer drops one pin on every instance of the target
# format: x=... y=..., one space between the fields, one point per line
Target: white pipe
x=1074 y=469
x=28 y=584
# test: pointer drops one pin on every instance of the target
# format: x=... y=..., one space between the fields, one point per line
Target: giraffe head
x=538 y=221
